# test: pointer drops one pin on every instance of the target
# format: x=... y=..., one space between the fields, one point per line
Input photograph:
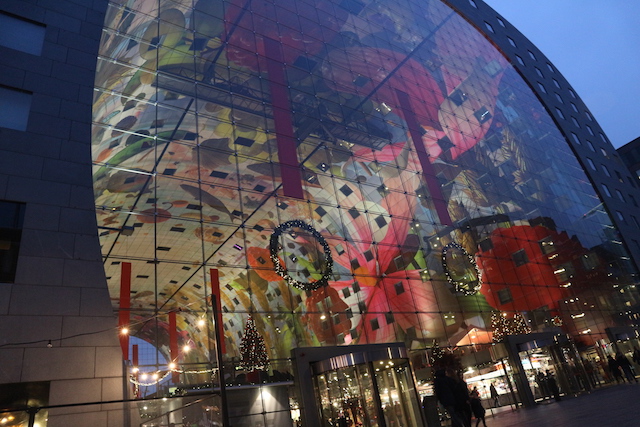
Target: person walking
x=494 y=395
x=614 y=369
x=477 y=408
x=626 y=367
x=553 y=386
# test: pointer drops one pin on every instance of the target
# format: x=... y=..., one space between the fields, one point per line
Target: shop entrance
x=366 y=387
x=367 y=394
x=547 y=366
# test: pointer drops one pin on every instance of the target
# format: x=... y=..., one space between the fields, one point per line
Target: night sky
x=595 y=44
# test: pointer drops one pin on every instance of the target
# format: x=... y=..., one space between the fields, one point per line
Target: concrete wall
x=60 y=292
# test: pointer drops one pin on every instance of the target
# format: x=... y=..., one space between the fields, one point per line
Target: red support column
x=124 y=314
x=173 y=344
x=135 y=362
x=290 y=173
x=217 y=301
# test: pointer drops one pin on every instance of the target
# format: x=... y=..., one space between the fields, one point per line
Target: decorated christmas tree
x=252 y=349
x=436 y=353
x=520 y=325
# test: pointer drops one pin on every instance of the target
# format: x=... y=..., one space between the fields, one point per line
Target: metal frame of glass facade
x=345 y=172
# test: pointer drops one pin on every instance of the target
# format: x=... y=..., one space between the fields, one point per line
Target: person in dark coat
x=477 y=408
x=447 y=391
x=553 y=386
x=494 y=395
x=614 y=369
x=625 y=365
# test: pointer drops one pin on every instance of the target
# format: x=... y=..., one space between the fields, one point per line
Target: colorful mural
x=391 y=129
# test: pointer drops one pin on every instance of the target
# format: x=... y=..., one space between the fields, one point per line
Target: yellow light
x=135 y=369
x=172 y=366
x=143 y=376
x=186 y=348
x=201 y=322
x=124 y=331
x=155 y=376
x=323 y=317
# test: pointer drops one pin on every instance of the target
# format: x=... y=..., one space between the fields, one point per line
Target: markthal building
x=304 y=206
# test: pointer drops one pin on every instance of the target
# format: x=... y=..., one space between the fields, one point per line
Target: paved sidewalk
x=615 y=406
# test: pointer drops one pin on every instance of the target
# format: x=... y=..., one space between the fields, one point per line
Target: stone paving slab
x=615 y=406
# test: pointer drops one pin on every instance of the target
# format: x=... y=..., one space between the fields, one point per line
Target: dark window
x=559 y=113
x=489 y=27
x=31 y=34
x=590 y=261
x=520 y=258
x=15 y=105
x=511 y=42
x=504 y=296
x=11 y=219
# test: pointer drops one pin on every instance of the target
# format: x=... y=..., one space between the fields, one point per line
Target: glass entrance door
x=374 y=394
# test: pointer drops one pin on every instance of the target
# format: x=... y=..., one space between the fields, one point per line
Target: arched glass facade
x=384 y=148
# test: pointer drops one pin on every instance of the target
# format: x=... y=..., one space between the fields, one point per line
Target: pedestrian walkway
x=611 y=406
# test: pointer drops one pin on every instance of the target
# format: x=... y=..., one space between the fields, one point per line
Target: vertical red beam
x=173 y=343
x=124 y=314
x=217 y=302
x=285 y=135
x=135 y=362
x=427 y=168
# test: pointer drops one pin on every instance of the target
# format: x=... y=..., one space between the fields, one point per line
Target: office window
x=591 y=164
x=501 y=22
x=542 y=88
x=603 y=138
x=559 y=113
x=550 y=67
x=620 y=216
x=473 y=3
x=605 y=170
x=635 y=221
x=31 y=34
x=532 y=56
x=489 y=26
x=588 y=116
x=11 y=220
x=575 y=138
x=573 y=107
x=538 y=72
x=575 y=121
x=15 y=105
x=559 y=98
x=604 y=152
x=520 y=60
x=511 y=42
x=589 y=130
x=620 y=196
x=555 y=82
x=572 y=93
x=606 y=190
x=591 y=147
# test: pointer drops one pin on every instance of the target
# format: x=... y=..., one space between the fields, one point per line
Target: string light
x=282 y=271
x=460 y=285
x=503 y=326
